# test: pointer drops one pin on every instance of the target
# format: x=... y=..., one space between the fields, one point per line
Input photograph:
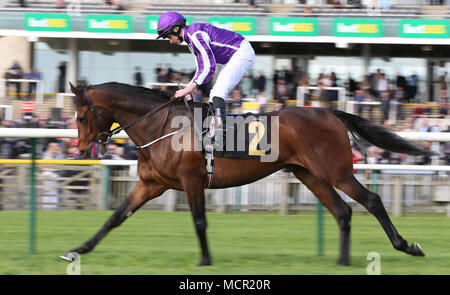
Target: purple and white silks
x=211 y=46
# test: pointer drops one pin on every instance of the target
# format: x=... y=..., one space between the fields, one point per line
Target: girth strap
x=209 y=160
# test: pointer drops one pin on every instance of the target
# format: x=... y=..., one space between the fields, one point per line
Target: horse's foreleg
x=141 y=193
x=331 y=200
x=372 y=202
x=196 y=198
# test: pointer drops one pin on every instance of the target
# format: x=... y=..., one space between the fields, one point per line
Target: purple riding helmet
x=167 y=22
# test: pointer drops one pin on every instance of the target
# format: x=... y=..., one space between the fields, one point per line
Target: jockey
x=210 y=45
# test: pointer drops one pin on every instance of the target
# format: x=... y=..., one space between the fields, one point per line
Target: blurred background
x=385 y=60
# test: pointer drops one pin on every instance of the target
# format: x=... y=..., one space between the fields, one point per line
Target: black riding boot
x=220 y=114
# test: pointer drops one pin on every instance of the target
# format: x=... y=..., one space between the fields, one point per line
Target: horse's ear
x=74 y=90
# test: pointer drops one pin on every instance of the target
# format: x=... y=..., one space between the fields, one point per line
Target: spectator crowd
x=56 y=148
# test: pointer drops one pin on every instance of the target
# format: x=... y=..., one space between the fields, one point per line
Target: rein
x=111 y=133
x=152 y=112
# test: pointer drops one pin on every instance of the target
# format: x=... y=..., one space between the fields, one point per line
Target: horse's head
x=91 y=122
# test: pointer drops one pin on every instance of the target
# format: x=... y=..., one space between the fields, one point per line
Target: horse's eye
x=82 y=119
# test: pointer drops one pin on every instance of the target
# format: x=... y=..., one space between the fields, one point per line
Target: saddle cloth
x=247 y=136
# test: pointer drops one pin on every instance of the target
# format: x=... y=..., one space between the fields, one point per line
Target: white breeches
x=232 y=73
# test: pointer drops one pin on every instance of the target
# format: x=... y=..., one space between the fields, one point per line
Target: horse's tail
x=379 y=135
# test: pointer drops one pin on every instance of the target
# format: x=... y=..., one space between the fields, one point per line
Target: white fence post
x=171 y=197
x=397 y=204
x=284 y=197
x=22 y=186
x=220 y=199
x=103 y=187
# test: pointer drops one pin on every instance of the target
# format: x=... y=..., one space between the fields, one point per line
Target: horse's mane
x=142 y=99
x=140 y=94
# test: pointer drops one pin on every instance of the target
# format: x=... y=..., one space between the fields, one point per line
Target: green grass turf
x=165 y=243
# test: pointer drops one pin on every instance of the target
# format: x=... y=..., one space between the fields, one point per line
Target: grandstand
x=49 y=6
x=352 y=11
x=241 y=9
x=225 y=9
x=277 y=47
x=302 y=50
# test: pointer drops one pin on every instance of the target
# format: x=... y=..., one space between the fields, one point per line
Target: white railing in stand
x=426 y=136
x=159 y=84
x=8 y=111
x=60 y=99
x=39 y=88
x=350 y=103
x=341 y=95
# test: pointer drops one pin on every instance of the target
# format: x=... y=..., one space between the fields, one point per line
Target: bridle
x=105 y=135
x=96 y=119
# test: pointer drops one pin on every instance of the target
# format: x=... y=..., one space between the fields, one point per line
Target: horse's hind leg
x=142 y=192
x=372 y=202
x=338 y=208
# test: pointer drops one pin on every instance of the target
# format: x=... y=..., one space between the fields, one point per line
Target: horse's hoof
x=204 y=262
x=343 y=261
x=70 y=256
x=417 y=250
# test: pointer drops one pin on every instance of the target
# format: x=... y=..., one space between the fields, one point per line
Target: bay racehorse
x=313 y=144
